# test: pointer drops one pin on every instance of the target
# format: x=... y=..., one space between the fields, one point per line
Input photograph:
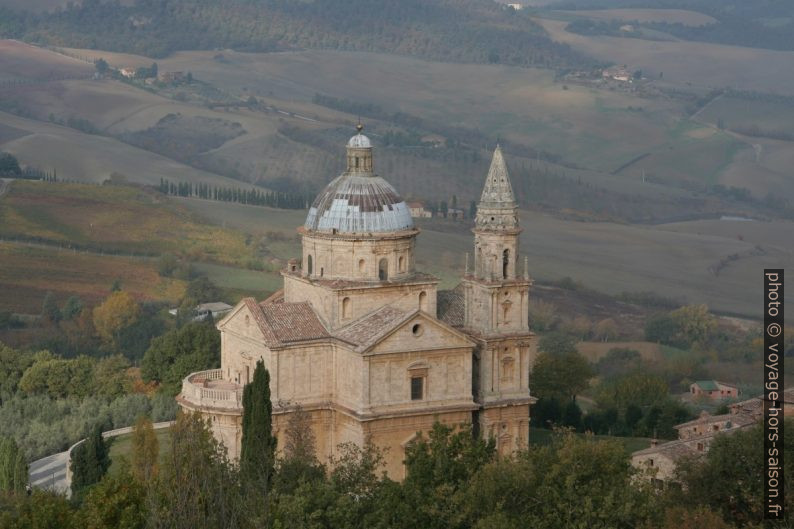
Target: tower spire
x=497 y=190
x=497 y=207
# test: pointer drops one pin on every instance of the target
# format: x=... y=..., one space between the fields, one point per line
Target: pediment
x=242 y=320
x=420 y=332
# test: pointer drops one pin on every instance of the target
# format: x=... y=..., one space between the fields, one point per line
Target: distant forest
x=765 y=24
x=446 y=30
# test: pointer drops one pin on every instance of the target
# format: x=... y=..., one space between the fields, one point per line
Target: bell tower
x=497 y=315
x=497 y=294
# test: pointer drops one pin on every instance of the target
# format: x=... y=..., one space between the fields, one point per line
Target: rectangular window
x=417 y=388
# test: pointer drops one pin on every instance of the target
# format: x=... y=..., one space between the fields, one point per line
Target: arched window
x=346 y=308
x=383 y=269
x=309 y=265
x=362 y=266
x=423 y=301
x=506 y=309
x=401 y=264
x=356 y=162
x=505 y=261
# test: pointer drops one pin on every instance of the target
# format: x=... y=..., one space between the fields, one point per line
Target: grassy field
x=25 y=62
x=735 y=112
x=115 y=219
x=90 y=158
x=543 y=437
x=122 y=448
x=27 y=273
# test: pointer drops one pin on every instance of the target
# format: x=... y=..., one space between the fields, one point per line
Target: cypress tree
x=13 y=467
x=90 y=461
x=258 y=445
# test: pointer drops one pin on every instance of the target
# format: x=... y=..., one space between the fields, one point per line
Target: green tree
x=574 y=482
x=258 y=445
x=49 y=309
x=661 y=328
x=557 y=343
x=197 y=485
x=40 y=510
x=560 y=375
x=694 y=322
x=640 y=389
x=117 y=502
x=618 y=361
x=200 y=290
x=299 y=462
x=145 y=450
x=171 y=357
x=118 y=311
x=572 y=415
x=90 y=461
x=730 y=478
x=101 y=66
x=59 y=377
x=13 y=467
x=546 y=412
x=9 y=165
x=72 y=307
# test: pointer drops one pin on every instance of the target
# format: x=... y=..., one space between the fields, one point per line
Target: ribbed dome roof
x=359 y=141
x=356 y=203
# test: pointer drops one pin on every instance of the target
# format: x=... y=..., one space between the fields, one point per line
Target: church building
x=366 y=344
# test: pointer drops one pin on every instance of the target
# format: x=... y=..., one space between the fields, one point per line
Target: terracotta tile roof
x=275 y=297
x=366 y=331
x=282 y=323
x=259 y=317
x=451 y=306
x=293 y=322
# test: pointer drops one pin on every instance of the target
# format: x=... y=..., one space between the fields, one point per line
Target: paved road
x=50 y=472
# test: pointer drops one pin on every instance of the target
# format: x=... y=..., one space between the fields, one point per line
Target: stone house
x=713 y=389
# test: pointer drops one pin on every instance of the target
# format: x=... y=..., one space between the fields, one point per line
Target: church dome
x=359 y=141
x=354 y=203
x=359 y=201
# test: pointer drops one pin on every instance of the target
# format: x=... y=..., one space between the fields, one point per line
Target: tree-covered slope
x=448 y=30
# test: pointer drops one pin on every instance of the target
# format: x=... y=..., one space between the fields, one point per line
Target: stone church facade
x=366 y=344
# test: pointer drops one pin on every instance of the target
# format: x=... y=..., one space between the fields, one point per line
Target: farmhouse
x=713 y=389
x=366 y=344
x=127 y=72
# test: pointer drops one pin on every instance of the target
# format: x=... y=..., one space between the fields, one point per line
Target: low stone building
x=366 y=344
x=714 y=390
x=695 y=437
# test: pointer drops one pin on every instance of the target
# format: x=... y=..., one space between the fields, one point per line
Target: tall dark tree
x=258 y=446
x=13 y=467
x=90 y=461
